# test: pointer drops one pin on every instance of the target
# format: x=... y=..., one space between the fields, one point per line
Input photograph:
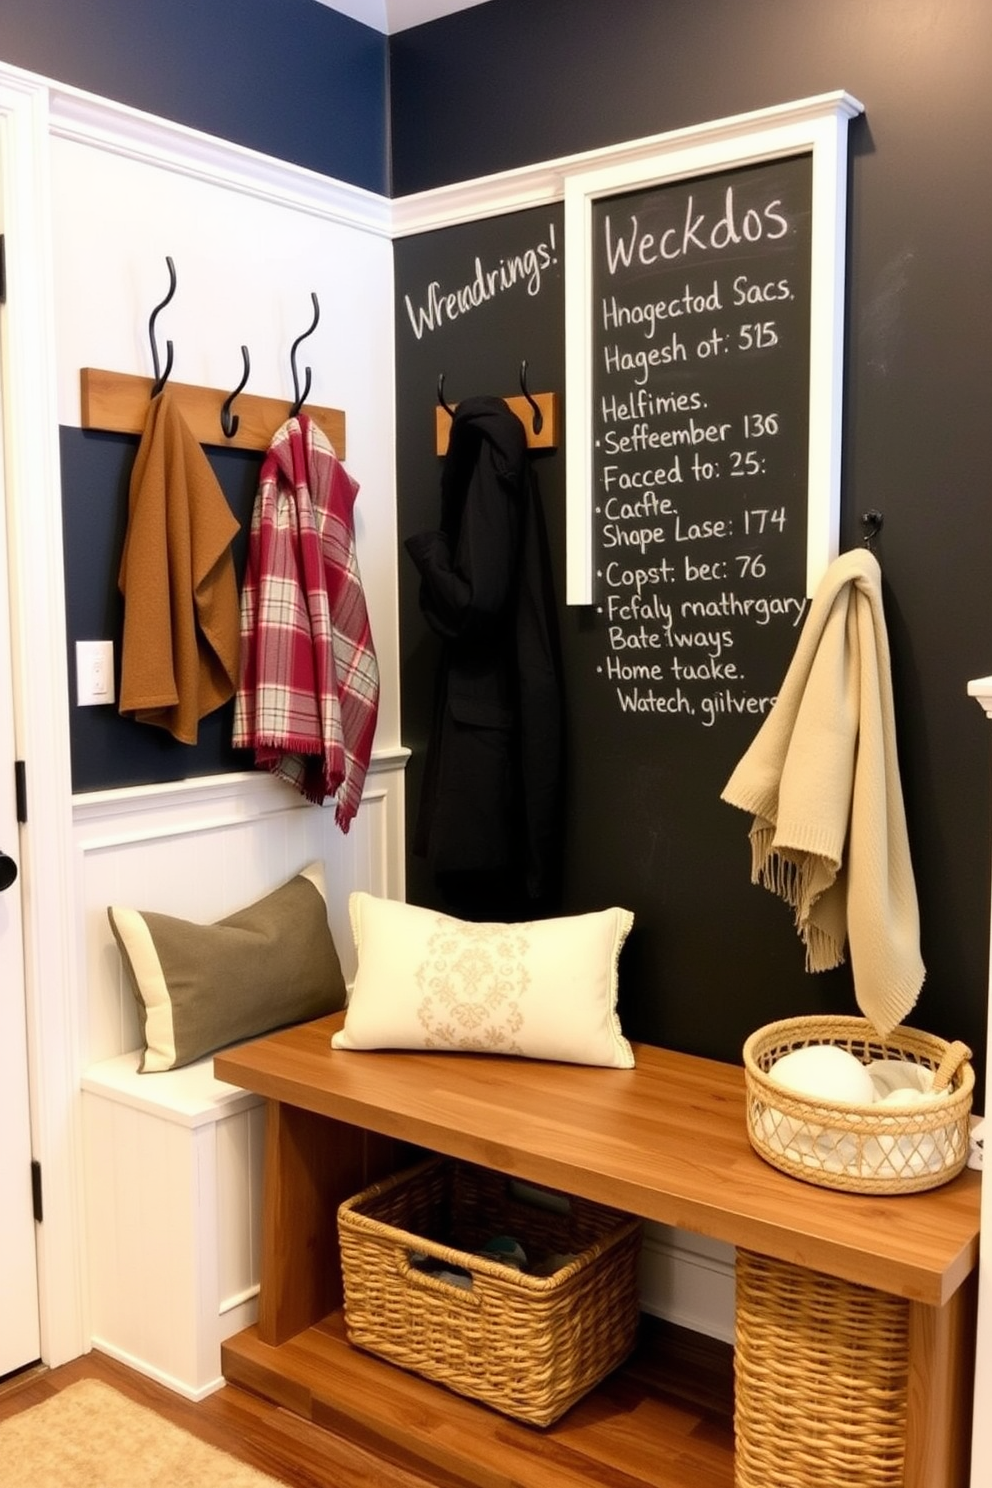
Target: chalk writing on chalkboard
x=438 y=304
x=700 y=353
x=690 y=262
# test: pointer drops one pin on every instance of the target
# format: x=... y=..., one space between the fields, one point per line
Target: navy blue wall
x=107 y=750
x=288 y=77
x=518 y=81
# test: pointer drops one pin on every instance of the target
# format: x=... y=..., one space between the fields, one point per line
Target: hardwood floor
x=691 y=1377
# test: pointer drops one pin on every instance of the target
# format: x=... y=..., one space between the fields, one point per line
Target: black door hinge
x=36 y=1190
x=21 y=790
x=3 y=269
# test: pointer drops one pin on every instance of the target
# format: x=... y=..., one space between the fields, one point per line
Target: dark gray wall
x=517 y=81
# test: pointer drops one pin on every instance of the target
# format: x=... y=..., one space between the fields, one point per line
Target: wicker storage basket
x=821 y=1372
x=877 y=1149
x=529 y=1345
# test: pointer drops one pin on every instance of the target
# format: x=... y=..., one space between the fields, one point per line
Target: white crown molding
x=119 y=129
x=544 y=183
x=486 y=196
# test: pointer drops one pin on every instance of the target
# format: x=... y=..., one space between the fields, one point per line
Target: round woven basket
x=874 y=1149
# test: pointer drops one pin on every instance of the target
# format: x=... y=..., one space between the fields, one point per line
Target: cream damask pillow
x=544 y=989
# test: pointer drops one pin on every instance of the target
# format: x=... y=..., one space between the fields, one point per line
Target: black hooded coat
x=490 y=808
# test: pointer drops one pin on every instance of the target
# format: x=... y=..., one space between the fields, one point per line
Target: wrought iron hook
x=440 y=396
x=300 y=398
x=229 y=421
x=871 y=521
x=537 y=422
x=161 y=378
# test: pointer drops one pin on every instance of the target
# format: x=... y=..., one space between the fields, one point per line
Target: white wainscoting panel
x=173 y=1161
x=689 y=1280
x=173 y=1166
x=203 y=849
x=240 y=1145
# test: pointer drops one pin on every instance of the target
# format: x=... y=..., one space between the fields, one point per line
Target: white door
x=19 y=1325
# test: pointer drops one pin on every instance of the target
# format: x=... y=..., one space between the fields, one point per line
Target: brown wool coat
x=180 y=651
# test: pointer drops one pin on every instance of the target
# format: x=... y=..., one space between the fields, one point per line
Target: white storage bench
x=173 y=1164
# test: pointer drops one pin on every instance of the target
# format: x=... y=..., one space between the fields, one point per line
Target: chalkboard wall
x=699 y=422
x=518 y=81
x=710 y=956
x=478 y=350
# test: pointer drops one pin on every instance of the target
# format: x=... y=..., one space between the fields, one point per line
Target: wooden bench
x=666 y=1140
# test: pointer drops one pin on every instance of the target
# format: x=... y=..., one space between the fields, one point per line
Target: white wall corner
x=981 y=1443
x=37 y=597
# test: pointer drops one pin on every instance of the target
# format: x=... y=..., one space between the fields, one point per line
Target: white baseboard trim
x=141 y=1366
x=688 y=1280
x=239 y=1299
x=684 y=1279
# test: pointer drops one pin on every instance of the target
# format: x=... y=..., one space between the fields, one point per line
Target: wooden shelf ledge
x=117 y=402
x=663 y=1420
x=546 y=440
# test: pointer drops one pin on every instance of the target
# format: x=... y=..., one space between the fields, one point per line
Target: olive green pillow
x=201 y=987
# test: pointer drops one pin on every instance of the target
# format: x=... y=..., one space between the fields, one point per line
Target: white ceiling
x=397 y=15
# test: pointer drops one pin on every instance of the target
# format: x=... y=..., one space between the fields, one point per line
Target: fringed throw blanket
x=822 y=779
x=308 y=697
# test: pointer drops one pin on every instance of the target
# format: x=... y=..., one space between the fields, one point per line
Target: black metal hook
x=161 y=378
x=440 y=396
x=300 y=398
x=871 y=521
x=537 y=422
x=229 y=421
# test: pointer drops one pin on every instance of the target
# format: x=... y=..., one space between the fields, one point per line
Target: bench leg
x=311 y=1163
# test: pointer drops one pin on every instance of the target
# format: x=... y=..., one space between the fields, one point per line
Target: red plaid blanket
x=308 y=694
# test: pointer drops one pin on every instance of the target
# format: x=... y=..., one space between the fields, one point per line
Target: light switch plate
x=94 y=672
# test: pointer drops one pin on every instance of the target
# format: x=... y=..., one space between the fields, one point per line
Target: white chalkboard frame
x=815 y=125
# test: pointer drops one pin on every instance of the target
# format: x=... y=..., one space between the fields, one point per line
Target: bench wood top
x=666 y=1140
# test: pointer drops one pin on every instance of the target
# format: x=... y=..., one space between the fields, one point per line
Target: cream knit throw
x=822 y=778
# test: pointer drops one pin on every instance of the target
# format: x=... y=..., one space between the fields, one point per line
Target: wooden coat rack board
x=117 y=402
x=546 y=402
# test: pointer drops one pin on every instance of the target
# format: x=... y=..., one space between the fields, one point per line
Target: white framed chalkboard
x=704 y=300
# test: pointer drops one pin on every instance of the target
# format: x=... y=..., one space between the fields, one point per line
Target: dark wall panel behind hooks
x=108 y=750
